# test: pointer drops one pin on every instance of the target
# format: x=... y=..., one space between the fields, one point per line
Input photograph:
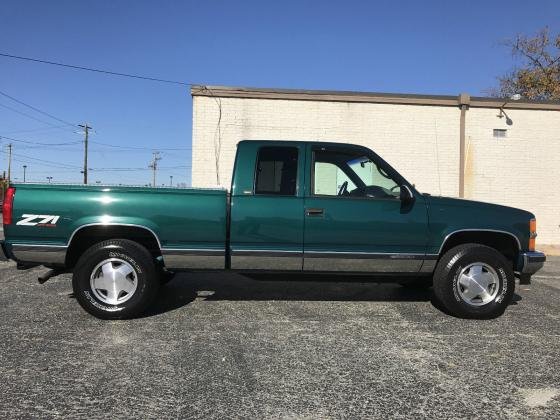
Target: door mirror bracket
x=406 y=195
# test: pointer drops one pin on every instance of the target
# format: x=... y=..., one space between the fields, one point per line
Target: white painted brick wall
x=421 y=142
x=521 y=170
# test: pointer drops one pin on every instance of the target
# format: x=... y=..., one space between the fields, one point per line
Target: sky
x=429 y=47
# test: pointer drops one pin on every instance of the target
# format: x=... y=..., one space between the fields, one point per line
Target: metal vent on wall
x=500 y=133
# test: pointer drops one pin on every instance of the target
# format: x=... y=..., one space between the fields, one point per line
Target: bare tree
x=538 y=77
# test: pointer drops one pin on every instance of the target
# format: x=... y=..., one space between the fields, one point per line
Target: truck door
x=355 y=220
x=266 y=225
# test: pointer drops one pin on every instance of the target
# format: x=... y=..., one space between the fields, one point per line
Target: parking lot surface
x=224 y=345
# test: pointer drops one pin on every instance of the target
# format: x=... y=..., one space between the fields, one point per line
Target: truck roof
x=314 y=142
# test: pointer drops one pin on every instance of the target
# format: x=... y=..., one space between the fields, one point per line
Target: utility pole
x=24 y=171
x=86 y=135
x=9 y=162
x=153 y=166
x=49 y=178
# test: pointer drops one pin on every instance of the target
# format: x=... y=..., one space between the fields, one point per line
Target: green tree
x=538 y=76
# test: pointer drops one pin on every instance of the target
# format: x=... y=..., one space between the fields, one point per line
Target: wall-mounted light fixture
x=503 y=114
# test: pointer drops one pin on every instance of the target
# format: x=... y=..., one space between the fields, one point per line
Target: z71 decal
x=40 y=220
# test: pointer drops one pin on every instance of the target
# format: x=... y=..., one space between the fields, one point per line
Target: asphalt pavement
x=227 y=346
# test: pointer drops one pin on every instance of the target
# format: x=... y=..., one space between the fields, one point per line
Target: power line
x=114 y=73
x=29 y=116
x=48 y=162
x=95 y=142
x=139 y=148
x=30 y=144
x=50 y=148
x=37 y=109
x=43 y=161
x=39 y=143
x=162 y=168
x=146 y=150
x=55 y=170
x=34 y=129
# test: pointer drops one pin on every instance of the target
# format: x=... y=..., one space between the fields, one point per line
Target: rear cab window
x=276 y=171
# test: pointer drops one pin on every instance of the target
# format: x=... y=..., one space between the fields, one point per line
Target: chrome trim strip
x=194 y=258
x=331 y=261
x=428 y=266
x=260 y=262
x=266 y=250
x=43 y=254
x=38 y=246
x=266 y=253
x=356 y=264
x=368 y=261
x=192 y=251
x=363 y=255
x=266 y=259
x=114 y=224
x=480 y=230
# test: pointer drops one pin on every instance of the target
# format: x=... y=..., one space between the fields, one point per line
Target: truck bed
x=181 y=219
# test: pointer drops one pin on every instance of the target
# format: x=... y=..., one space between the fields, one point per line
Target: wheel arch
x=503 y=241
x=88 y=235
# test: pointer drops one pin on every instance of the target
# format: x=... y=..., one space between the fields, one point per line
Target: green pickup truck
x=293 y=207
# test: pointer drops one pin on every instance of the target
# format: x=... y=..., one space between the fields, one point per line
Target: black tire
x=120 y=252
x=165 y=276
x=525 y=279
x=420 y=283
x=447 y=289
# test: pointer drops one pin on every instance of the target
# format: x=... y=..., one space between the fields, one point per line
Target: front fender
x=448 y=216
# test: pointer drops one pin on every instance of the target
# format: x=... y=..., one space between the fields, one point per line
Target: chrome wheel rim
x=478 y=284
x=113 y=281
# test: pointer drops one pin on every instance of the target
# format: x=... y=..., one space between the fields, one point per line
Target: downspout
x=464 y=100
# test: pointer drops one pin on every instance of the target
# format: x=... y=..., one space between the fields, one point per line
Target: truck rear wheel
x=115 y=279
x=474 y=281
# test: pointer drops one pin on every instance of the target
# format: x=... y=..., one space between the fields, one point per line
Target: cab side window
x=351 y=174
x=329 y=179
x=276 y=171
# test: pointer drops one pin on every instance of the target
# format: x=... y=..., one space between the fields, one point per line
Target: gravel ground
x=223 y=345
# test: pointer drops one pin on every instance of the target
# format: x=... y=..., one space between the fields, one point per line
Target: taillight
x=532 y=234
x=8 y=206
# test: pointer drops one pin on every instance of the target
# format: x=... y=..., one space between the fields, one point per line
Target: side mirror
x=406 y=196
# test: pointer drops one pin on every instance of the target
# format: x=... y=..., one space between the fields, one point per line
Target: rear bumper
x=532 y=262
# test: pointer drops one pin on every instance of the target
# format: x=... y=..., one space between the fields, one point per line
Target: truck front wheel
x=115 y=279
x=474 y=281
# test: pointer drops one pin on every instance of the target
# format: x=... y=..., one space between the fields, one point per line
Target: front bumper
x=533 y=261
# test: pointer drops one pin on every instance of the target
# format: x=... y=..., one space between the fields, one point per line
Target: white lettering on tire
x=100 y=306
x=503 y=276
x=113 y=254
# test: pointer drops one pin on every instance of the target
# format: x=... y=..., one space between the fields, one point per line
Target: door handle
x=314 y=212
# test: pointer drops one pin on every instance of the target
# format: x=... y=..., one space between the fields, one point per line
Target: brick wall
x=421 y=142
x=521 y=170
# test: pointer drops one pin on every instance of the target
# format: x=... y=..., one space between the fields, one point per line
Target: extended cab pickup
x=293 y=207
